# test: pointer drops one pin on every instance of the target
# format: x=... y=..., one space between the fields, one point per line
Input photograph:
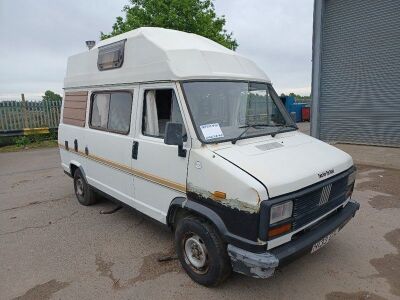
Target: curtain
x=151 y=114
x=102 y=101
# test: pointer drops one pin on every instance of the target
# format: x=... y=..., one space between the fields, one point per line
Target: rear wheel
x=83 y=192
x=201 y=251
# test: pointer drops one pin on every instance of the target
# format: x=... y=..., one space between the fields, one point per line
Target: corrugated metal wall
x=360 y=72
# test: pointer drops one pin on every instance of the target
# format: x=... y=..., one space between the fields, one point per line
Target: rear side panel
x=74 y=108
x=71 y=129
x=104 y=156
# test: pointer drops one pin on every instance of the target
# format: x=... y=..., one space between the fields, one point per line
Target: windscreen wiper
x=282 y=129
x=248 y=126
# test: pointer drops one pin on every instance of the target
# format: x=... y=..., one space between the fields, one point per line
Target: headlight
x=352 y=178
x=350 y=184
x=281 y=212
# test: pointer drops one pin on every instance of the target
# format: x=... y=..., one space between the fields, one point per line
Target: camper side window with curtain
x=111 y=111
x=159 y=108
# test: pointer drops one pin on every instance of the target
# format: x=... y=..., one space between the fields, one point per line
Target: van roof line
x=149 y=82
x=156 y=54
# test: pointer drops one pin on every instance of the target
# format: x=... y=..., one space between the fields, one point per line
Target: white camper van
x=194 y=135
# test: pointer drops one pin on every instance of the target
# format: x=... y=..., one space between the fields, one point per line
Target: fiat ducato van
x=194 y=136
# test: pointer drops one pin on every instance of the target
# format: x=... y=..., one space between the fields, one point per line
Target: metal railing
x=18 y=116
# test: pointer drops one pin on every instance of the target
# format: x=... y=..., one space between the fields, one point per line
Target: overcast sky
x=38 y=36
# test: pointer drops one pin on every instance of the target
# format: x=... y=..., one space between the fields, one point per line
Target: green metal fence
x=19 y=115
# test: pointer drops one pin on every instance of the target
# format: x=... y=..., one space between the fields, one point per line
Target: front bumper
x=263 y=265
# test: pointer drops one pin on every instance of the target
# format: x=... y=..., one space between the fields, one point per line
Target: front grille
x=311 y=206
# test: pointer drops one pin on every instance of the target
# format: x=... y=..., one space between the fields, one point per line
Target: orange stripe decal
x=139 y=173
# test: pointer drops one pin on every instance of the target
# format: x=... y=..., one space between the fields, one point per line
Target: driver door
x=160 y=174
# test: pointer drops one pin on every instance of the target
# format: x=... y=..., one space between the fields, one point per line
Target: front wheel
x=201 y=251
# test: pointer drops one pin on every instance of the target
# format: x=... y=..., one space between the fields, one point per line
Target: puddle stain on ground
x=38 y=226
x=353 y=296
x=14 y=185
x=388 y=266
x=43 y=291
x=382 y=202
x=34 y=203
x=383 y=183
x=104 y=268
x=150 y=269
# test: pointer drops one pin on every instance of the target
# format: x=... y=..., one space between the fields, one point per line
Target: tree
x=194 y=16
x=298 y=97
x=51 y=96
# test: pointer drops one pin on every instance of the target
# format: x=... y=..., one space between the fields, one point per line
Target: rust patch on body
x=229 y=202
x=353 y=296
x=153 y=266
x=43 y=291
x=388 y=266
x=383 y=182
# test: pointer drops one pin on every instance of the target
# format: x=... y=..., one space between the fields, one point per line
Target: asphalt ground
x=53 y=248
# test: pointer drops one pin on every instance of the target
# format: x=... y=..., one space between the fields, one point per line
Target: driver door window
x=160 y=107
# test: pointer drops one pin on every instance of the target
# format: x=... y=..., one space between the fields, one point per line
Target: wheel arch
x=182 y=205
x=73 y=166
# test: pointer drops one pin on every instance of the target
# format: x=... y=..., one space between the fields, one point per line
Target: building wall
x=356 y=71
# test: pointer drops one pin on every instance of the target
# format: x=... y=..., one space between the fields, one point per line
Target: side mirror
x=173 y=136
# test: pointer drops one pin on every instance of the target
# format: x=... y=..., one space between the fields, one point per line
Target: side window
x=112 y=111
x=119 y=117
x=159 y=108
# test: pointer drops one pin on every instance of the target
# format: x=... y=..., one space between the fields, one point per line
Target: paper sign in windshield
x=211 y=131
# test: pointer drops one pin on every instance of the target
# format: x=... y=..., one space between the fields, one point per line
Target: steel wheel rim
x=80 y=189
x=196 y=254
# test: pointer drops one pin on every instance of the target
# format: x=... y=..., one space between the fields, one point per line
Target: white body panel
x=208 y=173
x=146 y=184
x=290 y=167
x=160 y=161
x=111 y=178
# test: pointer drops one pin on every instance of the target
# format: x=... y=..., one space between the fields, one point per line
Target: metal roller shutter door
x=360 y=72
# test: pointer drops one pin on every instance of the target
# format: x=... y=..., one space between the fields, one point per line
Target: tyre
x=201 y=251
x=83 y=192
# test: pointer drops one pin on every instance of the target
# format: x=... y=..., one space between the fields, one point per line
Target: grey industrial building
x=356 y=72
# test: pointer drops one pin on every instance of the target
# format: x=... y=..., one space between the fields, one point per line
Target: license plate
x=318 y=245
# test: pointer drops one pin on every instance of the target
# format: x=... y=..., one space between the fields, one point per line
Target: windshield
x=228 y=110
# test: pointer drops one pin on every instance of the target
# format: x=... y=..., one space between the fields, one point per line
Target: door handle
x=135 y=148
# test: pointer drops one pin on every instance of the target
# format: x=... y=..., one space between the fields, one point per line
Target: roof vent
x=111 y=56
x=90 y=44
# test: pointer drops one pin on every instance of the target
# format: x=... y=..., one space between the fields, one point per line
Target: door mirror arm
x=181 y=151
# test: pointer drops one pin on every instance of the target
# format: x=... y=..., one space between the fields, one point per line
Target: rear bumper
x=262 y=265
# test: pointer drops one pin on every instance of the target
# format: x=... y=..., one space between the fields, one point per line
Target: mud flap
x=257 y=265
